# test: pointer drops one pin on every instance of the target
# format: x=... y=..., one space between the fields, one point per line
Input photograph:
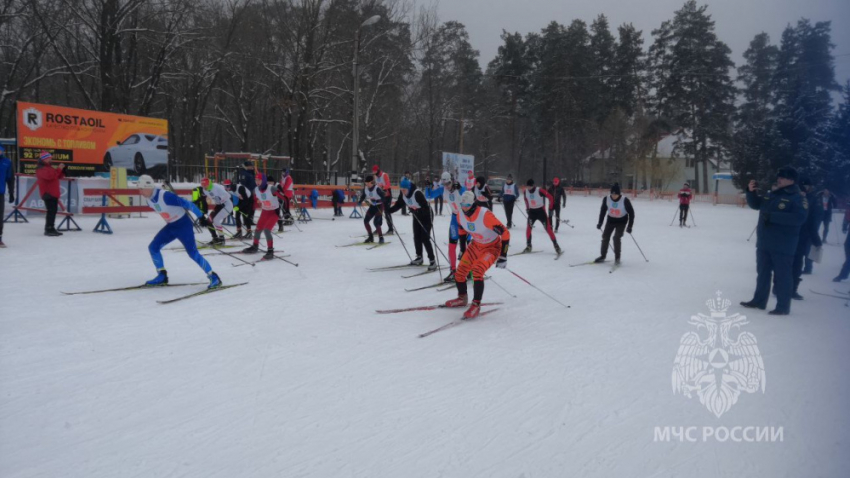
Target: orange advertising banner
x=89 y=141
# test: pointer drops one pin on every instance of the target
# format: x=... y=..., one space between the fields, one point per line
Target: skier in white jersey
x=172 y=208
x=375 y=196
x=535 y=206
x=621 y=216
x=223 y=207
x=415 y=200
x=452 y=192
x=269 y=199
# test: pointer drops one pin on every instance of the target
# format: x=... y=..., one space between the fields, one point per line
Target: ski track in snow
x=295 y=375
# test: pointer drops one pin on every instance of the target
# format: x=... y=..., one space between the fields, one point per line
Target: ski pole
x=641 y=250
x=674 y=217
x=751 y=234
x=567 y=222
x=434 y=240
x=693 y=219
x=500 y=287
x=538 y=289
x=400 y=240
x=236 y=257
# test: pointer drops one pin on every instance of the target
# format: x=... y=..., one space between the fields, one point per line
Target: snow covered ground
x=295 y=375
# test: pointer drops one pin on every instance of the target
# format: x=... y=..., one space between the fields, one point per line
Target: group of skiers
x=482 y=238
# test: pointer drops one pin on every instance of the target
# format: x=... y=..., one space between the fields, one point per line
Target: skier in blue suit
x=178 y=226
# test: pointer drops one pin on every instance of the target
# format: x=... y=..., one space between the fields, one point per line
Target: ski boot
x=390 y=232
x=599 y=259
x=279 y=226
x=796 y=296
x=432 y=266
x=251 y=249
x=417 y=262
x=450 y=278
x=380 y=239
x=558 y=249
x=249 y=235
x=52 y=232
x=238 y=234
x=473 y=310
x=214 y=281
x=460 y=301
x=526 y=250
x=617 y=261
x=269 y=255
x=160 y=279
x=218 y=241
x=369 y=239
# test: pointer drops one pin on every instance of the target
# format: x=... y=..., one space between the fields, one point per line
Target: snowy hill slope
x=295 y=375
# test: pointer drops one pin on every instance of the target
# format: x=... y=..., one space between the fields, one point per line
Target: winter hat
x=145 y=182
x=227 y=182
x=45 y=156
x=375 y=168
x=556 y=181
x=805 y=181
x=206 y=183
x=615 y=189
x=404 y=183
x=529 y=183
x=470 y=173
x=259 y=177
x=687 y=184
x=480 y=180
x=468 y=199
x=446 y=178
x=787 y=172
x=368 y=179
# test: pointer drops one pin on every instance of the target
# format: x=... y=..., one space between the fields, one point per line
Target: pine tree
x=753 y=138
x=693 y=86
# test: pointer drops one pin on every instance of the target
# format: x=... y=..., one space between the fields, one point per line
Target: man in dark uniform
x=782 y=211
x=809 y=235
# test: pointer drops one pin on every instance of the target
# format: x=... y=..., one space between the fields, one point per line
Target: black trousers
x=683 y=213
x=376 y=213
x=556 y=212
x=245 y=214
x=610 y=227
x=772 y=265
x=845 y=269
x=826 y=222
x=509 y=212
x=422 y=233
x=387 y=203
x=52 y=205
x=438 y=205
x=801 y=261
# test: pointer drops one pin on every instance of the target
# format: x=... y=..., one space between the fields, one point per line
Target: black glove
x=599 y=226
x=204 y=221
x=629 y=229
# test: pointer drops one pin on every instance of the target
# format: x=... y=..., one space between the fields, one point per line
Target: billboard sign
x=458 y=165
x=89 y=141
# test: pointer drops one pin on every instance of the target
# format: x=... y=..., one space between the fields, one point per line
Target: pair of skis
x=557 y=254
x=440 y=306
x=145 y=286
x=614 y=267
x=373 y=245
x=263 y=259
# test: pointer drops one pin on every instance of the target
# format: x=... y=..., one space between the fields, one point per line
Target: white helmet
x=468 y=199
x=146 y=182
x=446 y=178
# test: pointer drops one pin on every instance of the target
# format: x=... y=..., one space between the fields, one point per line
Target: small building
x=663 y=169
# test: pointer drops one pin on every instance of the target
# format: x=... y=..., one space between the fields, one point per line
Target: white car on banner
x=139 y=153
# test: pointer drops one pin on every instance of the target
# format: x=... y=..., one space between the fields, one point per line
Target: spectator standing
x=48 y=185
x=7 y=182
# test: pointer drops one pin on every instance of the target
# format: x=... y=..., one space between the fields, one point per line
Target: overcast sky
x=736 y=21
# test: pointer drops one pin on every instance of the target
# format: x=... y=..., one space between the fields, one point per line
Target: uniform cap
x=145 y=182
